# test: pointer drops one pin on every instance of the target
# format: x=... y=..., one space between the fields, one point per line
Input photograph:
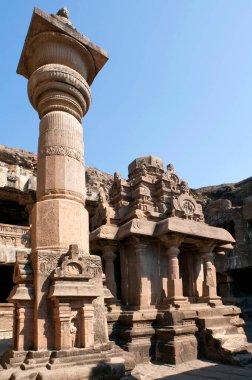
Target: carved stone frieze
x=61 y=151
x=47 y=262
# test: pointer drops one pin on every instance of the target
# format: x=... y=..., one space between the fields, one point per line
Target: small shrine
x=166 y=295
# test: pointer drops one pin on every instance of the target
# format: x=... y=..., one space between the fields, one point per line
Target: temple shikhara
x=99 y=273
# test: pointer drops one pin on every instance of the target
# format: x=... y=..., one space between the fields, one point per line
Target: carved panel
x=47 y=262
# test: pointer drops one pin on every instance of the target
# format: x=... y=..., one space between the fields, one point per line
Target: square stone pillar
x=209 y=288
x=87 y=323
x=23 y=326
x=62 y=333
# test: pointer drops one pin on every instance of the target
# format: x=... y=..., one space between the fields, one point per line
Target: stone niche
x=76 y=284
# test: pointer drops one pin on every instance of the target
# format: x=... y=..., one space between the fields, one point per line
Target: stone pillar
x=143 y=285
x=87 y=322
x=23 y=326
x=209 y=290
x=60 y=65
x=62 y=314
x=125 y=275
x=109 y=256
x=174 y=283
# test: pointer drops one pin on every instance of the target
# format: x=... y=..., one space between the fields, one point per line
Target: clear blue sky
x=178 y=84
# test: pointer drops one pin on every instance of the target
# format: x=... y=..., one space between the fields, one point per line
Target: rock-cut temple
x=102 y=275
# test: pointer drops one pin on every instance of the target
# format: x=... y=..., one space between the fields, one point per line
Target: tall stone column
x=209 y=290
x=60 y=65
x=143 y=289
x=174 y=281
x=108 y=254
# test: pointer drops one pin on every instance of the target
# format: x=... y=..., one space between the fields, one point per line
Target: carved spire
x=63 y=12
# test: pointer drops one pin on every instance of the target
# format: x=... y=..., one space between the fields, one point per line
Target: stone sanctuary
x=103 y=275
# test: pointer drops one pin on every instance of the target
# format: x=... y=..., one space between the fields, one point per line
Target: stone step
x=223 y=330
x=216 y=321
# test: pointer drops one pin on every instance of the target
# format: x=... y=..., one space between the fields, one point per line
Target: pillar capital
x=206 y=248
x=171 y=241
x=55 y=87
x=140 y=243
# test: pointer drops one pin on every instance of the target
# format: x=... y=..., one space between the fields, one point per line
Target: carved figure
x=73 y=331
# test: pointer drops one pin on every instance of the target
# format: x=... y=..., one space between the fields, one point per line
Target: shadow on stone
x=217 y=372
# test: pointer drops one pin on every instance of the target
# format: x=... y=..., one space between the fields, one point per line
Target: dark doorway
x=13 y=213
x=6 y=282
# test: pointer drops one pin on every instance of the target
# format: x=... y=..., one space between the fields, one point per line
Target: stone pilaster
x=108 y=254
x=87 y=321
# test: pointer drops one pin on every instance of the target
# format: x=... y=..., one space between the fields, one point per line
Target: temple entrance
x=6 y=282
x=13 y=213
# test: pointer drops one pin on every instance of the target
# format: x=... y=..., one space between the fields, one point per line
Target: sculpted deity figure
x=73 y=331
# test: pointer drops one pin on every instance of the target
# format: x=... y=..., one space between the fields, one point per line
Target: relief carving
x=78 y=265
x=58 y=150
x=47 y=262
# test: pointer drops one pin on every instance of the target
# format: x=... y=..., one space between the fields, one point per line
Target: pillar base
x=175 y=302
x=136 y=333
x=175 y=336
x=213 y=302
